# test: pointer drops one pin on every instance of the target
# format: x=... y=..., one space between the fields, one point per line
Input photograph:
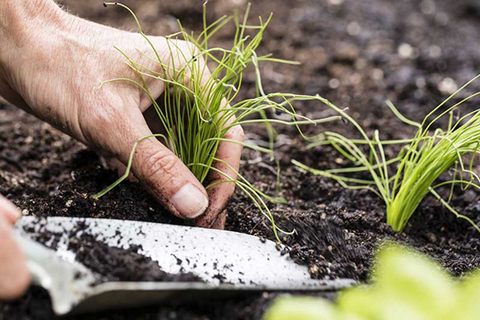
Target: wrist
x=16 y=14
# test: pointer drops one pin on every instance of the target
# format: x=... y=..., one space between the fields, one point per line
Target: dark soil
x=355 y=53
x=117 y=264
x=110 y=263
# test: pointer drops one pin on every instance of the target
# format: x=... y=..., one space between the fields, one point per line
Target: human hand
x=51 y=65
x=14 y=275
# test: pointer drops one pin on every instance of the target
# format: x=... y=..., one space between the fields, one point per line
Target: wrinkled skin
x=51 y=65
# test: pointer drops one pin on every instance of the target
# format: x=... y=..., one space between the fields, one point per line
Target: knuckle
x=104 y=117
x=159 y=162
x=236 y=133
x=189 y=49
x=241 y=134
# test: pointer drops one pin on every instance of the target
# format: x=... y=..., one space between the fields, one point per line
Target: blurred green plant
x=406 y=286
x=198 y=112
x=404 y=180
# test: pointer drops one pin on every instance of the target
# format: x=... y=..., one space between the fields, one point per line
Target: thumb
x=10 y=212
x=14 y=274
x=164 y=175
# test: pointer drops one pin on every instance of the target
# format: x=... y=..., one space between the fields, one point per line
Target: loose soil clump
x=116 y=264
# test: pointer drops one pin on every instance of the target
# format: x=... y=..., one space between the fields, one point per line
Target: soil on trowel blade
x=111 y=263
x=116 y=264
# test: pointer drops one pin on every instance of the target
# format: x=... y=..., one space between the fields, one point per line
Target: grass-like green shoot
x=195 y=112
x=403 y=181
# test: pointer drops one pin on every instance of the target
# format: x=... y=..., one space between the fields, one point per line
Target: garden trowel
x=227 y=262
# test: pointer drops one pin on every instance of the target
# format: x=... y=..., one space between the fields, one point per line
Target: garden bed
x=355 y=53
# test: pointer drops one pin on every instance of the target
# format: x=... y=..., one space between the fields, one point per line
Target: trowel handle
x=67 y=282
x=38 y=258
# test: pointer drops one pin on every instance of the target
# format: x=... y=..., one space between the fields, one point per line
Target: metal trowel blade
x=225 y=260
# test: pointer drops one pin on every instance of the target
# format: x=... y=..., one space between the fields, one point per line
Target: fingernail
x=190 y=202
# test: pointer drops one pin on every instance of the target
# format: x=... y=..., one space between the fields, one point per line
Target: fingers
x=222 y=190
x=220 y=194
x=163 y=174
x=14 y=275
x=219 y=223
x=8 y=210
x=184 y=54
x=169 y=180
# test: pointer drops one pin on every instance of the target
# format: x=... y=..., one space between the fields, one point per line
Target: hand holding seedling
x=51 y=65
x=14 y=276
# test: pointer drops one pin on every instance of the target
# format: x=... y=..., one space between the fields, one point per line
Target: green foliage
x=404 y=180
x=406 y=285
x=304 y=308
x=198 y=108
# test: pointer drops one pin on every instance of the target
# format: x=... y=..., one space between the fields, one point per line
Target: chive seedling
x=416 y=167
x=197 y=113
